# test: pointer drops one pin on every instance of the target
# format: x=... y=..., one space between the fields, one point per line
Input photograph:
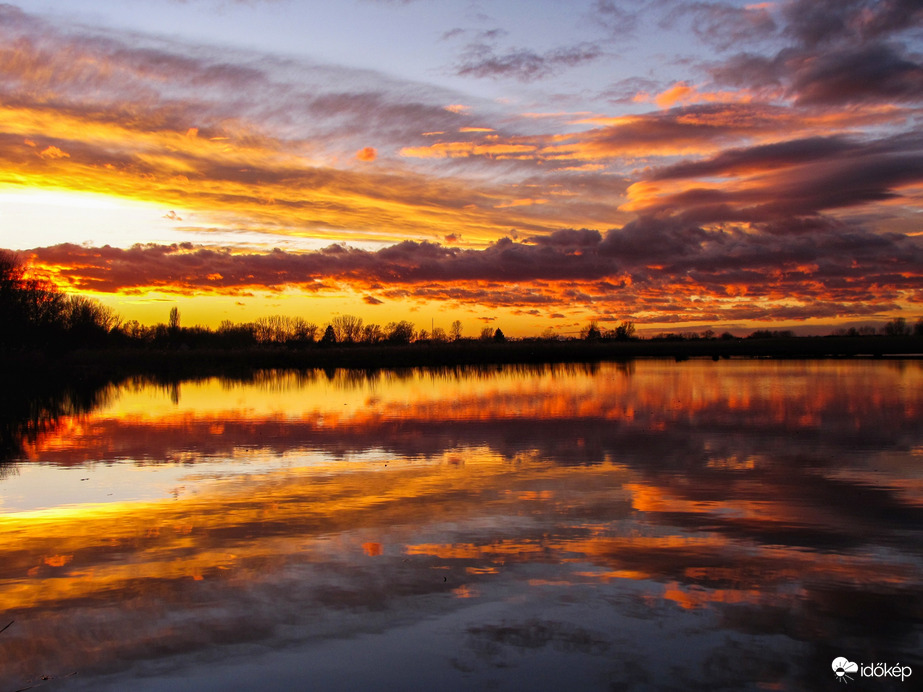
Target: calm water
x=644 y=526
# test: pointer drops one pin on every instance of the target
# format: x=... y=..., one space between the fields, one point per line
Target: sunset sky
x=533 y=164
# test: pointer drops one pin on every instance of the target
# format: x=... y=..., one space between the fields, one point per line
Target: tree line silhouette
x=34 y=314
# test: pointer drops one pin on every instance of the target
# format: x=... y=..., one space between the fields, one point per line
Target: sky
x=528 y=165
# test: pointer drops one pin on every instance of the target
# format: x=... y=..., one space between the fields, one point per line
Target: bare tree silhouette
x=348 y=328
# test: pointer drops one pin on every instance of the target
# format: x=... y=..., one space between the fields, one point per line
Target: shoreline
x=115 y=363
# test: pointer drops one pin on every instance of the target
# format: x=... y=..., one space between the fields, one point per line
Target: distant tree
x=896 y=327
x=625 y=331
x=134 y=330
x=11 y=272
x=372 y=334
x=439 y=335
x=499 y=335
x=174 y=319
x=348 y=328
x=708 y=334
x=233 y=335
x=487 y=333
x=303 y=332
x=282 y=329
x=264 y=329
x=32 y=311
x=330 y=337
x=159 y=333
x=668 y=336
x=87 y=321
x=772 y=334
x=549 y=334
x=423 y=335
x=727 y=336
x=456 y=330
x=918 y=327
x=402 y=332
x=591 y=332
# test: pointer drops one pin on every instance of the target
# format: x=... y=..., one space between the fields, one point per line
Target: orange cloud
x=525 y=202
x=654 y=269
x=679 y=92
x=721 y=202
x=445 y=150
x=682 y=93
x=53 y=152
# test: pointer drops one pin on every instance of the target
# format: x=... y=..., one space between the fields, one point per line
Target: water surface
x=641 y=526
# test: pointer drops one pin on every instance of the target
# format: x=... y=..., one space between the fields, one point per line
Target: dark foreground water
x=732 y=525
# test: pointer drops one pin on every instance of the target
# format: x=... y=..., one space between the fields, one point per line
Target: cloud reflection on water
x=760 y=499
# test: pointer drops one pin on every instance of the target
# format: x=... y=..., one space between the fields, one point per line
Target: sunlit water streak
x=651 y=525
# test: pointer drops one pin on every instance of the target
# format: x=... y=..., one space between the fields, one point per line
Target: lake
x=648 y=525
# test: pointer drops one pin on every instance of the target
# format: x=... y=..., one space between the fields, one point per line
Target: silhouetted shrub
x=329 y=338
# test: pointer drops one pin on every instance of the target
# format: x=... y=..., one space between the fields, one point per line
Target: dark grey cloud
x=817 y=22
x=620 y=18
x=482 y=60
x=831 y=263
x=185 y=266
x=157 y=84
x=852 y=74
x=653 y=240
x=721 y=24
x=855 y=75
x=793 y=179
x=839 y=52
x=767 y=156
x=569 y=238
x=651 y=264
